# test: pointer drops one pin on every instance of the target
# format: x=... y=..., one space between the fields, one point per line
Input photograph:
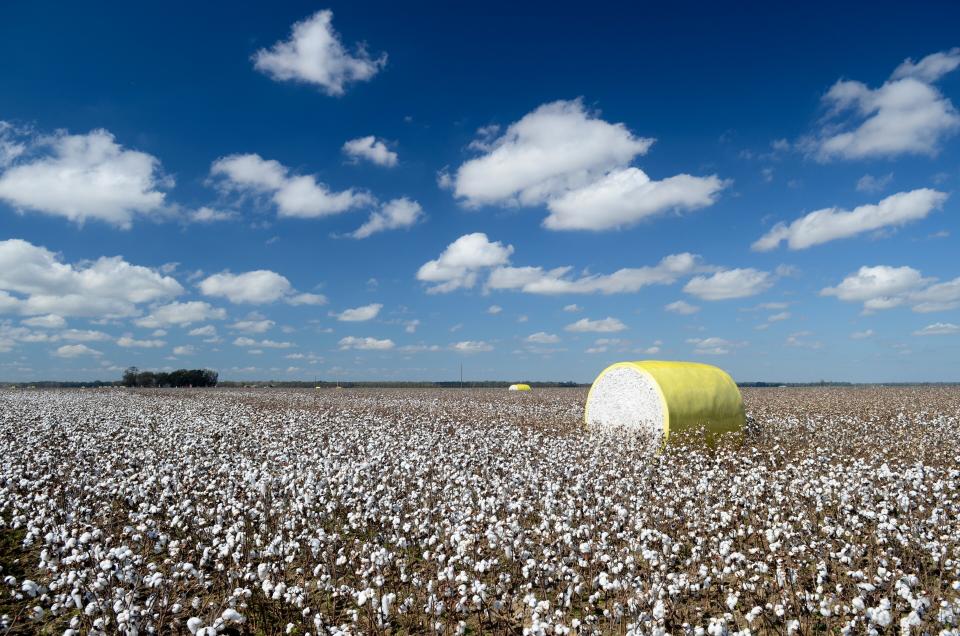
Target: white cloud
x=830 y=224
x=83 y=177
x=471 y=346
x=605 y=325
x=81 y=335
x=783 y=315
x=713 y=346
x=862 y=335
x=411 y=326
x=542 y=337
x=256 y=288
x=801 y=340
x=73 y=351
x=572 y=308
x=681 y=307
x=394 y=215
x=10 y=146
x=577 y=164
x=108 y=287
x=624 y=197
x=938 y=329
x=210 y=215
x=557 y=147
x=458 y=265
x=372 y=149
x=207 y=331
x=878 y=287
x=360 y=314
x=299 y=196
x=250 y=326
x=727 y=284
x=184 y=350
x=180 y=314
x=268 y=344
x=536 y=280
x=128 y=341
x=871 y=184
x=493 y=310
x=49 y=321
x=365 y=344
x=306 y=299
x=906 y=115
x=315 y=55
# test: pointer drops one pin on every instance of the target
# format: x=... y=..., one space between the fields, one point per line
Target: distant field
x=369 y=511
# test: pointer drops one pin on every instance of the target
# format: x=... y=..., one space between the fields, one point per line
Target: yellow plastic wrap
x=691 y=394
x=519 y=387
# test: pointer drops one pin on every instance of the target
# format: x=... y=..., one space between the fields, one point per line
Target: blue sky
x=385 y=191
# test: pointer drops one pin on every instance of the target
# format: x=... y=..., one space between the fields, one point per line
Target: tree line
x=134 y=377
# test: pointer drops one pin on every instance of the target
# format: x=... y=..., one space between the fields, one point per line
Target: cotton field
x=481 y=512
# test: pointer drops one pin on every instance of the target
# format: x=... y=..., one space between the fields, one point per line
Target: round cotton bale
x=660 y=397
x=519 y=387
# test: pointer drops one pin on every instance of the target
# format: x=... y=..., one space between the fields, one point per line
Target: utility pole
x=461 y=375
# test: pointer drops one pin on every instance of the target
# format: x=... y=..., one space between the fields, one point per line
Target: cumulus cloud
x=493 y=310
x=681 y=307
x=459 y=264
x=83 y=177
x=252 y=325
x=299 y=196
x=207 y=331
x=624 y=197
x=34 y=281
x=256 y=288
x=371 y=149
x=834 y=223
x=315 y=55
x=360 y=314
x=884 y=287
x=184 y=350
x=713 y=346
x=938 y=329
x=210 y=215
x=536 y=280
x=730 y=283
x=366 y=343
x=906 y=115
x=878 y=287
x=577 y=164
x=76 y=350
x=267 y=344
x=127 y=340
x=49 y=321
x=542 y=337
x=862 y=335
x=180 y=314
x=471 y=346
x=557 y=147
x=572 y=308
x=604 y=325
x=394 y=215
x=870 y=183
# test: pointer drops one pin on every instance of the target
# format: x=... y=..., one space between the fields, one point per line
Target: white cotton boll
x=232 y=615
x=194 y=624
x=732 y=600
x=30 y=588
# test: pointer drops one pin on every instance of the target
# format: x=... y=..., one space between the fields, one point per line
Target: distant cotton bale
x=519 y=387
x=659 y=397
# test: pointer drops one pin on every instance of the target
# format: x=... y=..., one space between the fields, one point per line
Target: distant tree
x=178 y=378
x=130 y=376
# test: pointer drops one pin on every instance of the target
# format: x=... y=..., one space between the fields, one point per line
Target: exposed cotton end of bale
x=519 y=387
x=657 y=398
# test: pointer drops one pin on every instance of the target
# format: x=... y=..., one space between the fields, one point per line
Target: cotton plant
x=447 y=512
